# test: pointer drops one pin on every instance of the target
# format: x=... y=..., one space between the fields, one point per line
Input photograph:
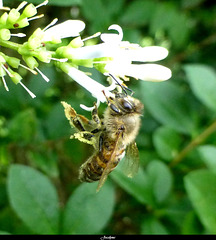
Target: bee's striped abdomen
x=93 y=168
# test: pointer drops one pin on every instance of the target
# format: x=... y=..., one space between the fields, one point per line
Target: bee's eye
x=114 y=108
x=127 y=105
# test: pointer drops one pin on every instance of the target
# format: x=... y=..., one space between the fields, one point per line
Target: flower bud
x=2 y=71
x=76 y=42
x=13 y=61
x=43 y=55
x=3 y=19
x=29 y=11
x=5 y=34
x=34 y=42
x=30 y=61
x=16 y=78
x=21 y=23
x=2 y=59
x=13 y=16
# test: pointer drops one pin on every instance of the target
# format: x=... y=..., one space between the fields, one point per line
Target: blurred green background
x=175 y=189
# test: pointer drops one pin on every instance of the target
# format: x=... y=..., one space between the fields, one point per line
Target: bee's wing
x=109 y=166
x=131 y=160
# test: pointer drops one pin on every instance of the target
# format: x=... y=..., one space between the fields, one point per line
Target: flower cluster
x=112 y=57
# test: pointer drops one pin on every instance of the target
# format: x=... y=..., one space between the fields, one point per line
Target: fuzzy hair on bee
x=112 y=136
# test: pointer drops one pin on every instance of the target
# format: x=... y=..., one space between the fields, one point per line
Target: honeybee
x=112 y=137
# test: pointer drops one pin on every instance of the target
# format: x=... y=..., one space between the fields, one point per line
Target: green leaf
x=23 y=126
x=177 y=32
x=4 y=233
x=151 y=225
x=160 y=178
x=200 y=187
x=138 y=12
x=168 y=104
x=166 y=142
x=191 y=224
x=137 y=186
x=57 y=113
x=34 y=199
x=202 y=80
x=86 y=211
x=207 y=154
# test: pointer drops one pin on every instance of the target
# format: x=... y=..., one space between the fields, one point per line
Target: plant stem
x=9 y=44
x=198 y=140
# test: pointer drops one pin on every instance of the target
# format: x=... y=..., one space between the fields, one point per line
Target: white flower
x=123 y=54
x=95 y=88
x=120 y=57
x=69 y=28
x=2 y=7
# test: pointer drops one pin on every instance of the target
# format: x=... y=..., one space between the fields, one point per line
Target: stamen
x=5 y=84
x=30 y=93
x=6 y=70
x=89 y=109
x=93 y=36
x=21 y=5
x=18 y=35
x=59 y=60
x=36 y=17
x=29 y=69
x=42 y=75
x=42 y=4
x=123 y=88
x=112 y=85
x=54 y=21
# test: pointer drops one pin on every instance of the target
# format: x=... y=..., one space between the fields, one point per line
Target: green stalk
x=195 y=142
x=9 y=44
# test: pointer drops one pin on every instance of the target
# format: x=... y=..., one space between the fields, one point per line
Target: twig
x=198 y=140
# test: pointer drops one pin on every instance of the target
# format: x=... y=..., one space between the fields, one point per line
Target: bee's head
x=122 y=104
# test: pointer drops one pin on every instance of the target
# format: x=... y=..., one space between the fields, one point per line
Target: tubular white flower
x=69 y=28
x=148 y=72
x=3 y=8
x=123 y=54
x=91 y=85
x=112 y=37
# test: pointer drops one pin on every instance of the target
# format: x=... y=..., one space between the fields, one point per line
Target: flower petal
x=69 y=28
x=146 y=54
x=89 y=84
x=112 y=37
x=146 y=72
x=94 y=51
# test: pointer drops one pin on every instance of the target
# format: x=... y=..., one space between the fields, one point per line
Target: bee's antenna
x=122 y=86
x=106 y=96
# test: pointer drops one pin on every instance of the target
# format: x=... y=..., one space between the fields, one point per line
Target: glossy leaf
x=160 y=179
x=86 y=211
x=202 y=80
x=138 y=12
x=23 y=127
x=200 y=187
x=166 y=142
x=151 y=225
x=34 y=199
x=207 y=154
x=167 y=103
x=138 y=186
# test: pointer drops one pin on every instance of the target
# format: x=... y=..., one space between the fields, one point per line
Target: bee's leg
x=73 y=117
x=96 y=120
x=101 y=141
x=95 y=116
x=86 y=137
